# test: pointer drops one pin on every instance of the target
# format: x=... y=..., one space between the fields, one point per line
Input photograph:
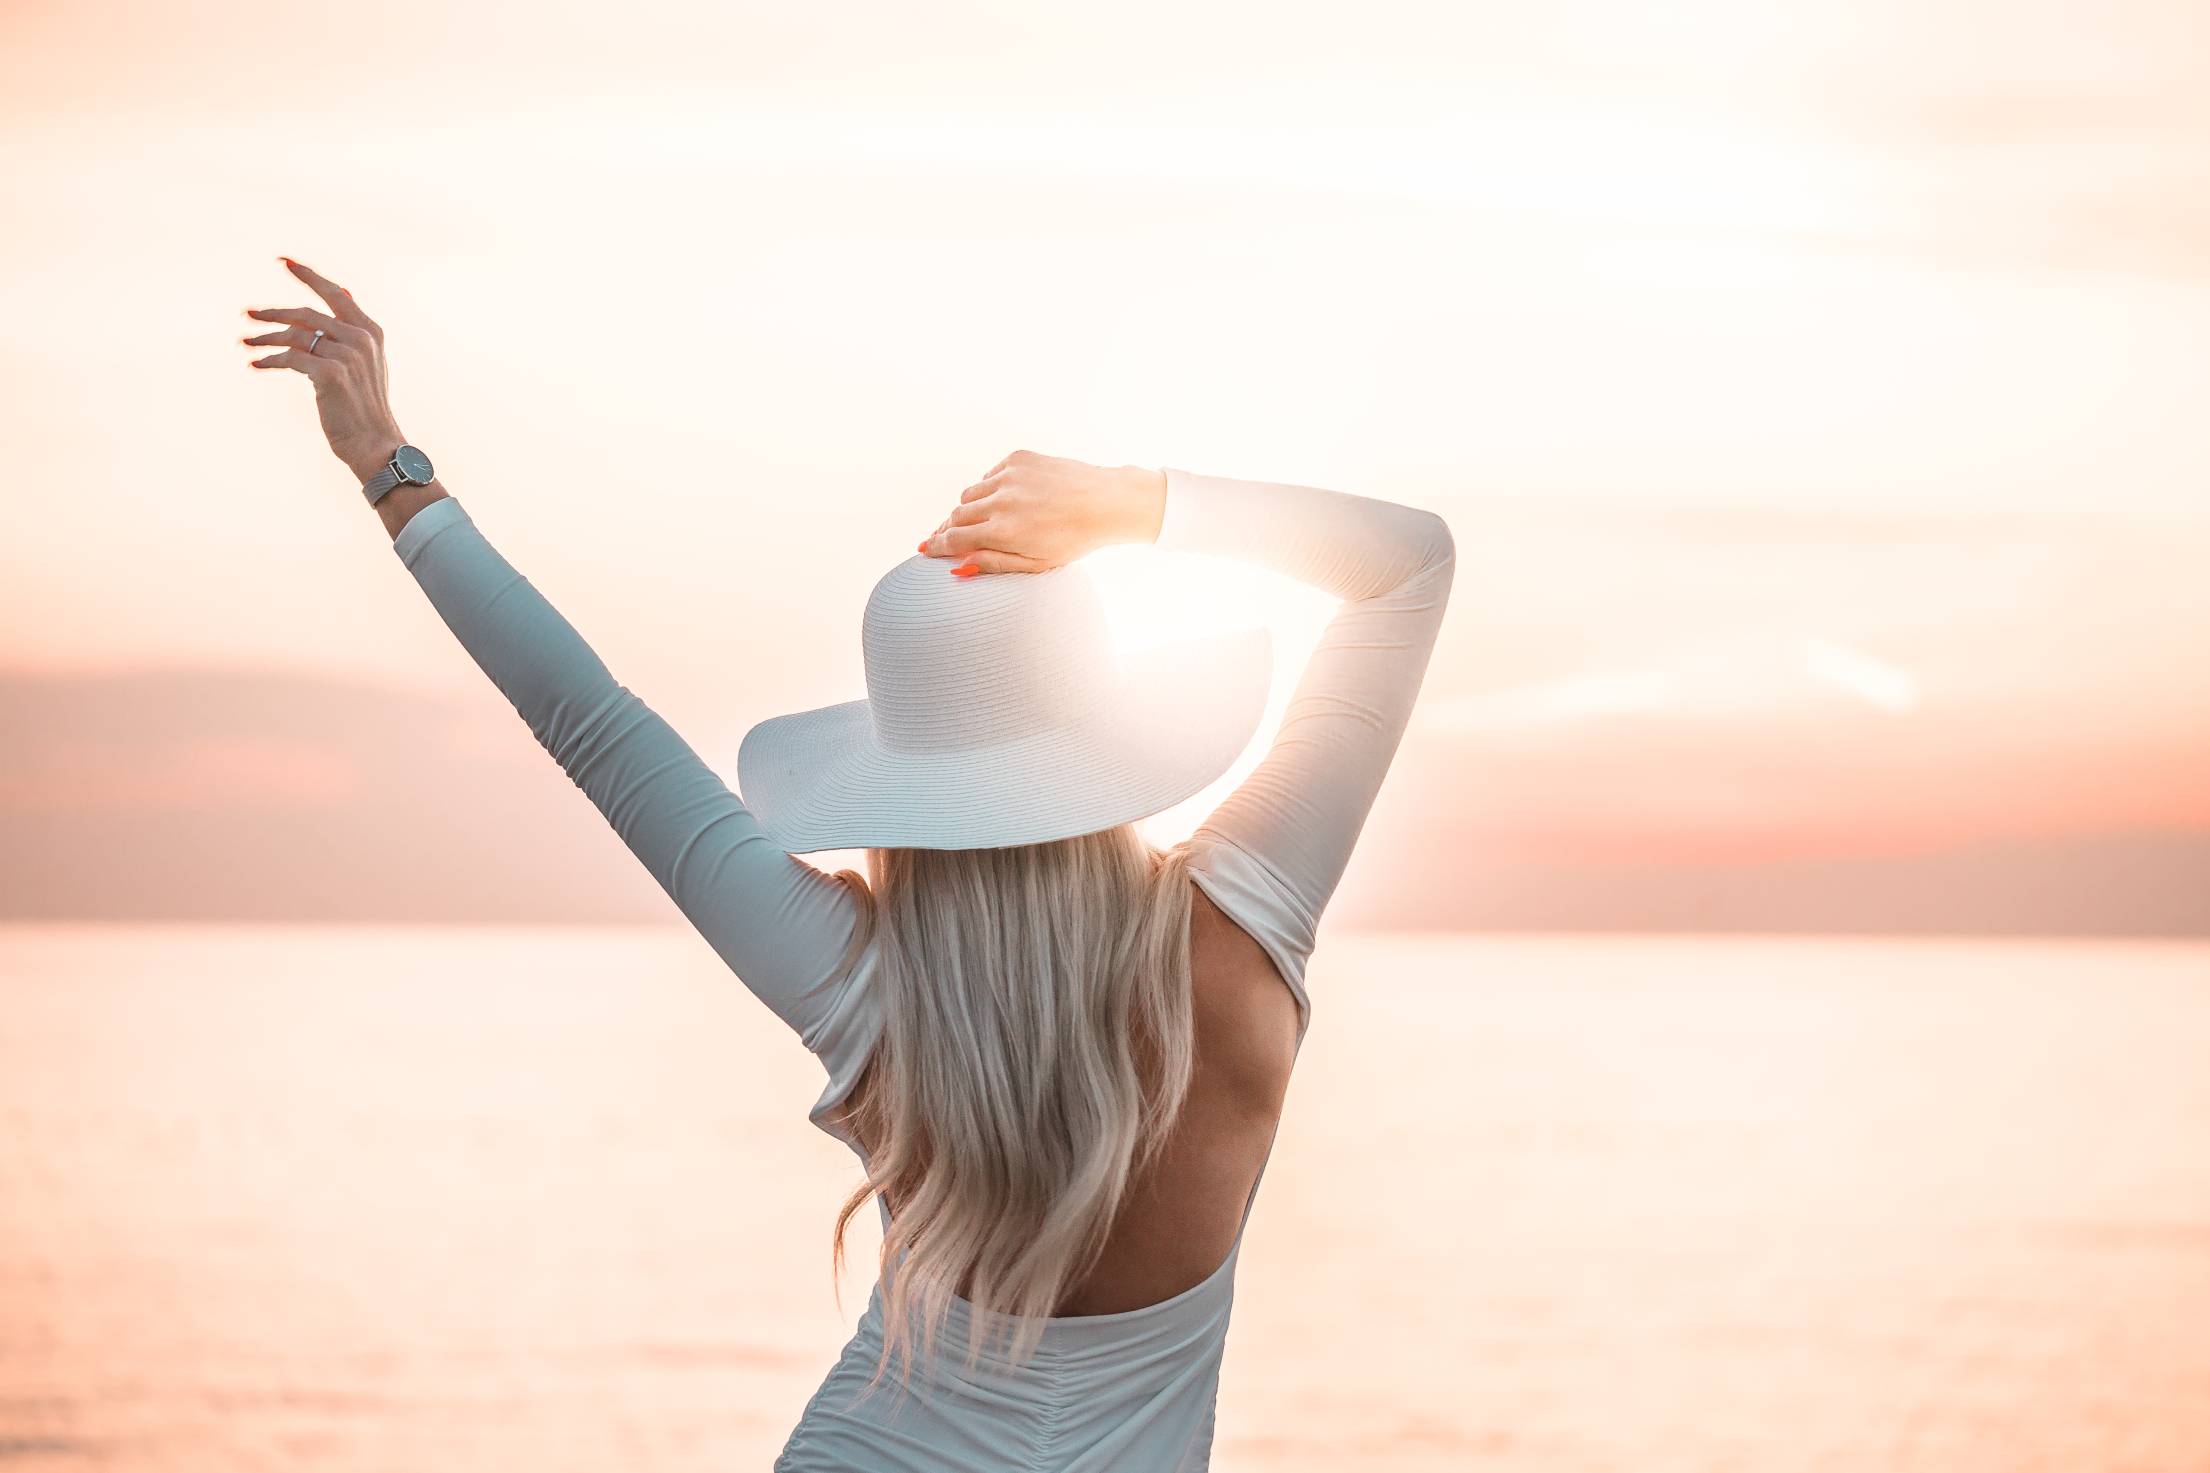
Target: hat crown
x=968 y=662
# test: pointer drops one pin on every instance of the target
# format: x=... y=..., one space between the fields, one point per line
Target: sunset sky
x=1817 y=392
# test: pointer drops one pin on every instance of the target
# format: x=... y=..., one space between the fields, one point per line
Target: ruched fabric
x=1133 y=1391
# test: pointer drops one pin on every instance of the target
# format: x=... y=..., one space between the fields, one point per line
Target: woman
x=1058 y=1053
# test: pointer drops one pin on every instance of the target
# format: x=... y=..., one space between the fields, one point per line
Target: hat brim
x=1177 y=717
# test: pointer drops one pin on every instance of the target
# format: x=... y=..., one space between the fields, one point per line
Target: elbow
x=1441 y=546
x=580 y=737
x=1436 y=565
x=1438 y=550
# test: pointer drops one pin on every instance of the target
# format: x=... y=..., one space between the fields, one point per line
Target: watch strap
x=375 y=486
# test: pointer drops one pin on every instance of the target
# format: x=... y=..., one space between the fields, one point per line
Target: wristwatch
x=407 y=467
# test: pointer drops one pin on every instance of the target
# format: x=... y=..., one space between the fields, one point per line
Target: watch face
x=413 y=465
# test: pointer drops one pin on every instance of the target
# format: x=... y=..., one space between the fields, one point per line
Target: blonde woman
x=1058 y=1053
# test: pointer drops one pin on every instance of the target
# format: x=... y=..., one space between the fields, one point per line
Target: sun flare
x=1154 y=597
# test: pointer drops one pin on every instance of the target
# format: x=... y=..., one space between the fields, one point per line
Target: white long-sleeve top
x=1270 y=856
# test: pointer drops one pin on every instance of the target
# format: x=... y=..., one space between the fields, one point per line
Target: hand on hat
x=1033 y=512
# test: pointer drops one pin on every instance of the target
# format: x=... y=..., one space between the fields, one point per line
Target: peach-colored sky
x=707 y=311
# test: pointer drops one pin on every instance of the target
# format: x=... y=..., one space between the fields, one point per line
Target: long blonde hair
x=1035 y=1054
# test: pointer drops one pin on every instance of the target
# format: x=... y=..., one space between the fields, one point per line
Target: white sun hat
x=999 y=712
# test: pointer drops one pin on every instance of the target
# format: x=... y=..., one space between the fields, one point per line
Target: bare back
x=1183 y=1211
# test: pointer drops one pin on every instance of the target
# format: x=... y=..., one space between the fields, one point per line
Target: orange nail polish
x=965 y=570
x=924 y=547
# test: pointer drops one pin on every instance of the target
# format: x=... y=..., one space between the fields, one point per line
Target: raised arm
x=781 y=925
x=1271 y=854
x=1273 y=851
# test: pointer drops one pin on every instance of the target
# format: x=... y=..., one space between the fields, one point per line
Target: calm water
x=474 y=1200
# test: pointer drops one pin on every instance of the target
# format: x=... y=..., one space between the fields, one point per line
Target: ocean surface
x=342 y=1200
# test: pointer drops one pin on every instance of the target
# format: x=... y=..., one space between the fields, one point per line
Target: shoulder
x=1245 y=1015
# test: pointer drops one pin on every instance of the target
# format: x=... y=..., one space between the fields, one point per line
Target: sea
x=498 y=1200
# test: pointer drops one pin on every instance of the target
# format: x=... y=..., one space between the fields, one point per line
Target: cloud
x=1751 y=676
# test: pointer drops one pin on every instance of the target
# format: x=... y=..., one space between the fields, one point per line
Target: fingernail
x=287 y=260
x=924 y=547
x=965 y=570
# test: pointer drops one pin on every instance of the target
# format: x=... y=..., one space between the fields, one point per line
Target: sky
x=1815 y=391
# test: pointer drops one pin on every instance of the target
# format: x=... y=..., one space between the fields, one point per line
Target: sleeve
x=1273 y=851
x=784 y=927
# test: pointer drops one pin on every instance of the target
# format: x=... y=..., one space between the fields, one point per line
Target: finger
x=305 y=317
x=970 y=512
x=981 y=488
x=296 y=337
x=340 y=300
x=990 y=560
x=964 y=514
x=952 y=540
x=337 y=337
x=300 y=316
x=307 y=363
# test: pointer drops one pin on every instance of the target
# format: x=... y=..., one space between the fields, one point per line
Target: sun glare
x=1154 y=597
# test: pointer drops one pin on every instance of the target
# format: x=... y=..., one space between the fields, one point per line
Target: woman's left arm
x=781 y=925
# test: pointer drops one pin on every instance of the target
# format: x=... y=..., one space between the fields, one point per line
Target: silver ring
x=314 y=340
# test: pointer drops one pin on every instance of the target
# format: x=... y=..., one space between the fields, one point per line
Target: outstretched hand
x=1033 y=512
x=347 y=367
